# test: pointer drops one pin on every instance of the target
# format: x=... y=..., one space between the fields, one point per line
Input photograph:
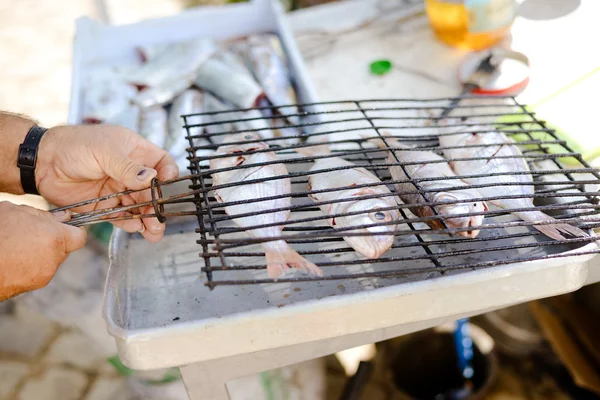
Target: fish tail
x=317 y=149
x=281 y=257
x=558 y=231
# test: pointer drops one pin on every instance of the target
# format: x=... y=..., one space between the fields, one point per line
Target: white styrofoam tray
x=162 y=315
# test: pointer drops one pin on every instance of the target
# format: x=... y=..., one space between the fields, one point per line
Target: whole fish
x=234 y=60
x=189 y=102
x=128 y=118
x=226 y=118
x=149 y=52
x=221 y=117
x=105 y=99
x=287 y=135
x=489 y=145
x=153 y=124
x=163 y=93
x=265 y=57
x=544 y=184
x=370 y=246
x=180 y=61
x=228 y=83
x=451 y=188
x=280 y=256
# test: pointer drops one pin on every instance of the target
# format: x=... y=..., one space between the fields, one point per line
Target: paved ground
x=40 y=359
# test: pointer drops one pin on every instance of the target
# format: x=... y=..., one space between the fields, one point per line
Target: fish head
x=243 y=142
x=375 y=242
x=468 y=135
x=470 y=202
x=451 y=139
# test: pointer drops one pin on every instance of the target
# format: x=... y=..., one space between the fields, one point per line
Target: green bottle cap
x=380 y=67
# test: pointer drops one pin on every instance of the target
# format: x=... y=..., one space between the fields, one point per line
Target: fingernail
x=143 y=229
x=157 y=228
x=60 y=215
x=143 y=174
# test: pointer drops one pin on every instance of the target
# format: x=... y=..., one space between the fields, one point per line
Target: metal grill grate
x=565 y=187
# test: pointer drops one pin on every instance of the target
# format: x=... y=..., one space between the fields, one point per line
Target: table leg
x=204 y=383
x=207 y=380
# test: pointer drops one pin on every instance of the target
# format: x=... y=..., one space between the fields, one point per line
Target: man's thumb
x=74 y=237
x=129 y=173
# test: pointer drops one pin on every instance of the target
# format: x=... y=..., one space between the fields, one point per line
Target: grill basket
x=565 y=188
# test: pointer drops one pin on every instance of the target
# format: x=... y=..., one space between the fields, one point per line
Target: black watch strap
x=27 y=158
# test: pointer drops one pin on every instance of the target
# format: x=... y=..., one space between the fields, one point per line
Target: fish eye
x=248 y=137
x=379 y=216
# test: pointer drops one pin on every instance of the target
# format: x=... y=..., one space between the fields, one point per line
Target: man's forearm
x=13 y=129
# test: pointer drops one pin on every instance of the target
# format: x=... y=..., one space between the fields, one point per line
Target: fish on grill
x=427 y=164
x=375 y=211
x=280 y=256
x=490 y=146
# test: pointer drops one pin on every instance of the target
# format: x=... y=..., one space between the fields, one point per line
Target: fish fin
x=364 y=192
x=388 y=142
x=282 y=257
x=316 y=149
x=558 y=231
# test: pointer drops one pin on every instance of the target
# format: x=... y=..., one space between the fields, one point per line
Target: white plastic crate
x=98 y=44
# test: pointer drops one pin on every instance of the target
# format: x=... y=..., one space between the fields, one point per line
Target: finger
x=110 y=187
x=58 y=216
x=128 y=172
x=167 y=168
x=151 y=237
x=61 y=216
x=153 y=227
x=144 y=196
x=153 y=156
x=74 y=237
x=127 y=200
x=130 y=225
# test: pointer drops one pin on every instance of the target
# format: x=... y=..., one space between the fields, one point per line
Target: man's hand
x=77 y=163
x=33 y=244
